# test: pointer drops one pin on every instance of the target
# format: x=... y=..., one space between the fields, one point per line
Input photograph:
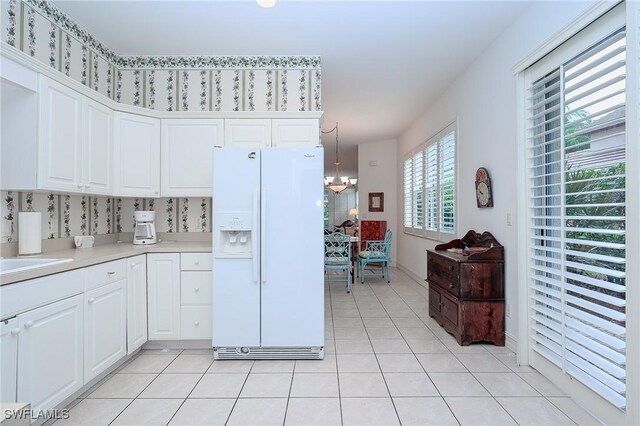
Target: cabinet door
x=97 y=135
x=136 y=302
x=295 y=132
x=246 y=132
x=50 y=353
x=137 y=155
x=187 y=156
x=164 y=296
x=9 y=332
x=105 y=329
x=60 y=137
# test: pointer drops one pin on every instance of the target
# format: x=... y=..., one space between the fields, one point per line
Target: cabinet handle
x=91 y=300
x=110 y=273
x=87 y=186
x=15 y=331
x=79 y=186
x=197 y=289
x=197 y=323
x=197 y=262
x=450 y=285
x=28 y=324
x=133 y=265
x=451 y=268
x=155 y=192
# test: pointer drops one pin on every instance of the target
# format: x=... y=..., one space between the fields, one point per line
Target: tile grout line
x=335 y=350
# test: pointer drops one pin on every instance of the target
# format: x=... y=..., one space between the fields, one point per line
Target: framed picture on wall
x=376 y=201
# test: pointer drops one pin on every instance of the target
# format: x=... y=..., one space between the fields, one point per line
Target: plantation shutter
x=408 y=199
x=576 y=181
x=432 y=187
x=418 y=185
x=447 y=183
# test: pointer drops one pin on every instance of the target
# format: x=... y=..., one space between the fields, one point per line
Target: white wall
x=483 y=100
x=381 y=178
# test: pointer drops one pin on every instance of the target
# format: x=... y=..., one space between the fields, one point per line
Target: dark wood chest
x=466 y=293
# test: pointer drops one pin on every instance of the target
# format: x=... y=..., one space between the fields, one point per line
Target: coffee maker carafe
x=145 y=229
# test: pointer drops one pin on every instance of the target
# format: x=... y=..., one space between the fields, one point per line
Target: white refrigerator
x=268 y=253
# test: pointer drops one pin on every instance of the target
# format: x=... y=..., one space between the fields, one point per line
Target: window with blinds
x=576 y=179
x=429 y=187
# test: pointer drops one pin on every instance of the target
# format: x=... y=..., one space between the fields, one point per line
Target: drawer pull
x=15 y=331
x=451 y=268
x=450 y=285
x=91 y=300
x=196 y=262
x=133 y=265
x=28 y=324
x=197 y=289
x=197 y=323
x=111 y=273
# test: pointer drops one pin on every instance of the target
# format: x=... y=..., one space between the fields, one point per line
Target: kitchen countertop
x=100 y=254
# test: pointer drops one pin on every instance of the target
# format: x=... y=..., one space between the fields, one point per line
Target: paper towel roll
x=29 y=233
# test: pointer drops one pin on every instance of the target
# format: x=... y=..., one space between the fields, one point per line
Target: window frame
x=422 y=231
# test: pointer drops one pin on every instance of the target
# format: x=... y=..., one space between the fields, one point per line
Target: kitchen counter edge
x=100 y=254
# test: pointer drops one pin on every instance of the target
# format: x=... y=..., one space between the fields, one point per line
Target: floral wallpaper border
x=172 y=62
x=169 y=83
x=65 y=215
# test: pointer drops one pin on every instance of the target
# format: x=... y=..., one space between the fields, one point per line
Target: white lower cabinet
x=50 y=353
x=163 y=273
x=9 y=332
x=196 y=322
x=105 y=328
x=136 y=302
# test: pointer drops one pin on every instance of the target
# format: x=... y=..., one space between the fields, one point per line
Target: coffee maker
x=145 y=229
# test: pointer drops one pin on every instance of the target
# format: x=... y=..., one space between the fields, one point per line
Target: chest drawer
x=196 y=322
x=105 y=273
x=195 y=287
x=196 y=261
x=444 y=272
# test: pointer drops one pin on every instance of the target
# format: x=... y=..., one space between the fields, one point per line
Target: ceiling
x=383 y=62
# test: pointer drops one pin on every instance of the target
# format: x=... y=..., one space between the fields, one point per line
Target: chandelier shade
x=338 y=183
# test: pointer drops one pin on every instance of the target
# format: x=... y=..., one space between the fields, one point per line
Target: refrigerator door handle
x=263 y=236
x=256 y=234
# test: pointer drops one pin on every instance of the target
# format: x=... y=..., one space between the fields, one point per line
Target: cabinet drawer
x=196 y=261
x=196 y=322
x=444 y=272
x=105 y=273
x=195 y=287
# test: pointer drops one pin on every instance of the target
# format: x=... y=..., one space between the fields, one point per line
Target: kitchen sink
x=9 y=266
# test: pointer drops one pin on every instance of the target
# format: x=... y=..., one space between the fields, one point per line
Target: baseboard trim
x=178 y=344
x=413 y=276
x=511 y=342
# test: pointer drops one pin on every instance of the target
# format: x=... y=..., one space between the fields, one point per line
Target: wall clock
x=484 y=197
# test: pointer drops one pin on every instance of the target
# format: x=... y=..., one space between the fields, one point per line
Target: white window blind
x=576 y=169
x=429 y=187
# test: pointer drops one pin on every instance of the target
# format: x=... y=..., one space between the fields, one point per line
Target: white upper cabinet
x=295 y=132
x=246 y=132
x=97 y=135
x=187 y=156
x=136 y=155
x=60 y=139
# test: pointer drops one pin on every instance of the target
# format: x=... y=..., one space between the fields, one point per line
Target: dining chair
x=337 y=257
x=378 y=252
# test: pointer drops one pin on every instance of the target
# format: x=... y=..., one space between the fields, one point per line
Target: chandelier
x=337 y=183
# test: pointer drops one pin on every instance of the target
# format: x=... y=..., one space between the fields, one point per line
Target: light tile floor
x=386 y=363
